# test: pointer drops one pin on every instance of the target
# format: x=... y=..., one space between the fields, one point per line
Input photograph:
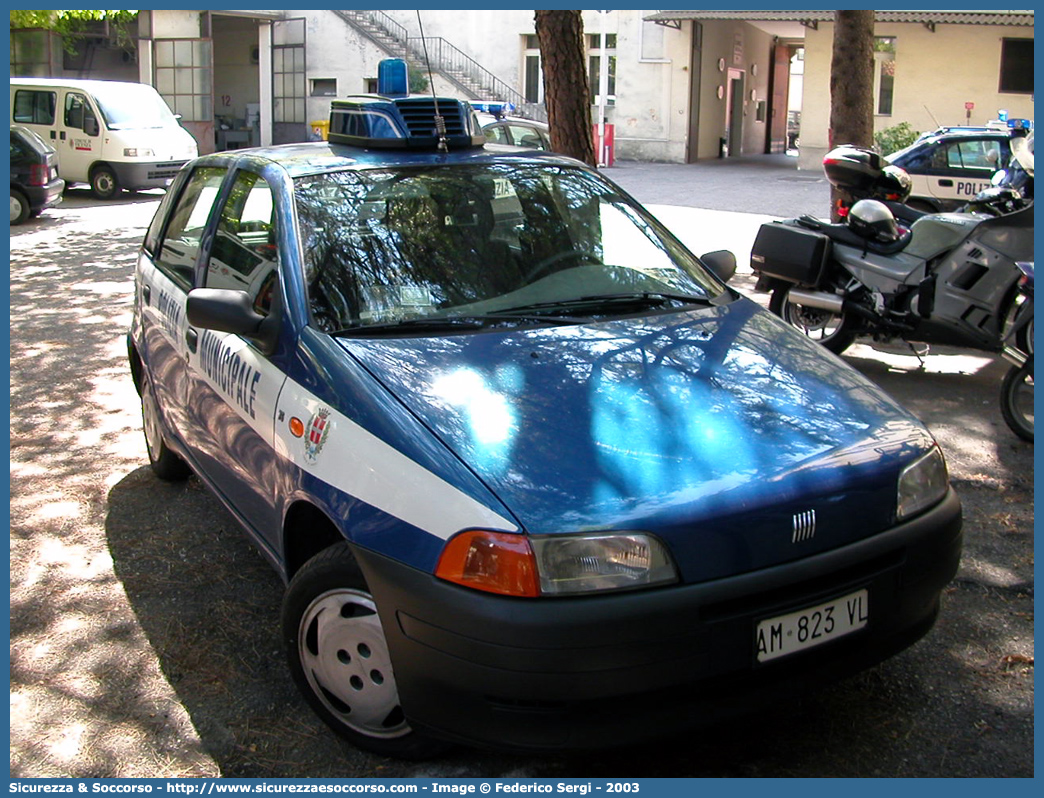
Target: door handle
x=192 y=339
x=146 y=294
x=62 y=135
x=946 y=183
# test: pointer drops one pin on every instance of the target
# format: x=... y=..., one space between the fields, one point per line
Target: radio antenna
x=440 y=122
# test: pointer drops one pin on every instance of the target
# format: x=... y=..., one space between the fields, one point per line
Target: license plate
x=804 y=629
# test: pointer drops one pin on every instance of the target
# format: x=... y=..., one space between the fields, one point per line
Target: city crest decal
x=318 y=432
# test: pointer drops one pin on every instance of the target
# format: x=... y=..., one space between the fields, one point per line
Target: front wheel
x=834 y=331
x=1017 y=400
x=339 y=657
x=104 y=183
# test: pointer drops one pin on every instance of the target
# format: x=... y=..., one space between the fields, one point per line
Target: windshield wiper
x=596 y=302
x=449 y=323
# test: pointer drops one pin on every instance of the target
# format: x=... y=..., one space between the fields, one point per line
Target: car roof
x=75 y=83
x=320 y=157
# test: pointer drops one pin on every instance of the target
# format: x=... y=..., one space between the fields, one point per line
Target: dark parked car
x=536 y=476
x=35 y=184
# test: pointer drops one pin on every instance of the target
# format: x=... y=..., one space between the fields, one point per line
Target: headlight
x=605 y=561
x=922 y=484
x=517 y=565
x=138 y=152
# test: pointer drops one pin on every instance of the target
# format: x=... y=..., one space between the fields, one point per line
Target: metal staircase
x=471 y=78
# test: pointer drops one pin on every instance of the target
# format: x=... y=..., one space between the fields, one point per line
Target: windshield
x=389 y=246
x=132 y=105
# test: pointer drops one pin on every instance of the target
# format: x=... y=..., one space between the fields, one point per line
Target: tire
x=19 y=207
x=833 y=331
x=342 y=665
x=1017 y=400
x=166 y=465
x=104 y=183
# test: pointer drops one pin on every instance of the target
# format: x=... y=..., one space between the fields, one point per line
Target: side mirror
x=721 y=263
x=90 y=125
x=231 y=311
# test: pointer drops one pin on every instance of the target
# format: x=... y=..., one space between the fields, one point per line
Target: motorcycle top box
x=794 y=254
x=853 y=168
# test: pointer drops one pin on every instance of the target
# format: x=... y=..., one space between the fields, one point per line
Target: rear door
x=165 y=276
x=232 y=386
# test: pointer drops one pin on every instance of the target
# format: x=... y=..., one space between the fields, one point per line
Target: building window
x=184 y=77
x=1016 y=67
x=33 y=52
x=595 y=52
x=884 y=74
x=532 y=75
x=324 y=87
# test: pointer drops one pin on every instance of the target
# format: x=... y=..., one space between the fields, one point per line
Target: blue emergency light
x=393 y=118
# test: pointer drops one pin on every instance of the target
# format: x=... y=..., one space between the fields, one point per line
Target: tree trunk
x=566 y=93
x=852 y=84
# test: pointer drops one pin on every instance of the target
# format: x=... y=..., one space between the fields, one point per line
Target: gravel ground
x=144 y=625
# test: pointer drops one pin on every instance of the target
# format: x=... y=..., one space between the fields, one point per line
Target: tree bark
x=852 y=84
x=566 y=91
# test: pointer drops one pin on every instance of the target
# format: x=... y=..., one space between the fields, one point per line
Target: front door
x=79 y=136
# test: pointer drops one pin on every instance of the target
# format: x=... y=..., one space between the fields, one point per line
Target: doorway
x=734 y=113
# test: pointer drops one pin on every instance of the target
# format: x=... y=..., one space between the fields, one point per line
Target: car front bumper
x=595 y=671
x=147 y=175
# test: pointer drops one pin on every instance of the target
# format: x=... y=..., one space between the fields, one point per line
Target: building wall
x=936 y=73
x=733 y=45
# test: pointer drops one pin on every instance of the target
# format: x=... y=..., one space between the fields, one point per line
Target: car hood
x=714 y=428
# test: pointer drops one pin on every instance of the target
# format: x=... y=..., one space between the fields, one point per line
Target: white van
x=109 y=134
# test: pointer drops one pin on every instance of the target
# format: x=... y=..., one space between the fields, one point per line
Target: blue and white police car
x=951 y=165
x=536 y=476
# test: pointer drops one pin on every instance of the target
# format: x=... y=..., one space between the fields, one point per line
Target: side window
x=243 y=256
x=179 y=249
x=496 y=134
x=74 y=105
x=526 y=137
x=34 y=107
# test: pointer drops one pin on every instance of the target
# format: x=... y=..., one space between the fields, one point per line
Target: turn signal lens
x=496 y=562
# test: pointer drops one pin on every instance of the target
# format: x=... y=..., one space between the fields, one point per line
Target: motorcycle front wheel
x=834 y=331
x=1017 y=400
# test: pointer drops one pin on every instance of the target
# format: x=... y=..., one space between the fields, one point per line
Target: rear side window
x=34 y=107
x=243 y=256
x=181 y=241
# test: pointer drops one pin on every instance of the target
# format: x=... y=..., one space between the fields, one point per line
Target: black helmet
x=873 y=221
x=894 y=184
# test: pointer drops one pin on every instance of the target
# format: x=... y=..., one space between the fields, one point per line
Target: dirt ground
x=144 y=626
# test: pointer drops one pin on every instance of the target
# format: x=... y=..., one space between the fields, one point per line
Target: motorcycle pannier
x=791 y=253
